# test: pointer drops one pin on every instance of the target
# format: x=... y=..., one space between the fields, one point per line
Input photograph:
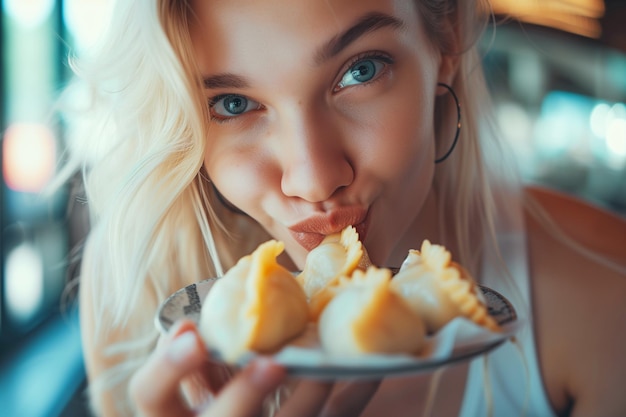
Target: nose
x=315 y=159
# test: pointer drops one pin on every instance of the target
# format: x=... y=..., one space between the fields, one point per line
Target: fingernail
x=182 y=347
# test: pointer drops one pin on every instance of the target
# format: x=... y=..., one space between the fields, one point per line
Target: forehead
x=227 y=32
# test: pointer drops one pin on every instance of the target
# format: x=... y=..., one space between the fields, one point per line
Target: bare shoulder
x=578 y=261
x=596 y=228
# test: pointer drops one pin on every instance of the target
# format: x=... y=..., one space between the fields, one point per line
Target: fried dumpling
x=338 y=255
x=256 y=306
x=366 y=316
x=439 y=290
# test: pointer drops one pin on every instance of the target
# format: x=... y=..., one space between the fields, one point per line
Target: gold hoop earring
x=458 y=122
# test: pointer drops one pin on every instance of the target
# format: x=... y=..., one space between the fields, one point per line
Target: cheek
x=397 y=160
x=403 y=158
x=410 y=151
x=396 y=134
x=241 y=175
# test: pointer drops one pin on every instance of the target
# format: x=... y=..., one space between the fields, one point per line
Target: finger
x=155 y=388
x=208 y=380
x=200 y=387
x=211 y=375
x=350 y=399
x=307 y=399
x=245 y=394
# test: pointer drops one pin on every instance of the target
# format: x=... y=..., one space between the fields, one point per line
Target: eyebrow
x=225 y=80
x=366 y=24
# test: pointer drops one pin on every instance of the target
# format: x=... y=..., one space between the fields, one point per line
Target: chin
x=385 y=253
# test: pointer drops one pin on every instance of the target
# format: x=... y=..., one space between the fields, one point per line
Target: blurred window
x=36 y=38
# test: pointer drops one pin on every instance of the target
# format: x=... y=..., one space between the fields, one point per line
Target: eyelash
x=372 y=55
x=218 y=118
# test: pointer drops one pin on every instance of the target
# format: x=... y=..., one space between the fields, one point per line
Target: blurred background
x=557 y=69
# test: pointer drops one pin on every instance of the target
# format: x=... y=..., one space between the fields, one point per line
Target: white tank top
x=513 y=385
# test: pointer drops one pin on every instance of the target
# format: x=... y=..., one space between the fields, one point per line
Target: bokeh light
x=28 y=157
x=28 y=13
x=86 y=20
x=608 y=124
x=598 y=119
x=23 y=275
x=616 y=139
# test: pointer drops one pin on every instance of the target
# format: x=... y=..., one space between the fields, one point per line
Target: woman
x=214 y=126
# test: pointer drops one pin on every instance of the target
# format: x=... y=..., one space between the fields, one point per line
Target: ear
x=451 y=51
x=448 y=70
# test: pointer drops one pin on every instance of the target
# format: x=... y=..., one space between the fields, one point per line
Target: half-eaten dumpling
x=366 y=316
x=439 y=290
x=256 y=306
x=338 y=255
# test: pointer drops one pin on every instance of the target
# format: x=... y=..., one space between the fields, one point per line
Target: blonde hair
x=466 y=181
x=139 y=136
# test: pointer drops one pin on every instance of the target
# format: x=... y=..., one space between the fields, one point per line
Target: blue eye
x=361 y=72
x=231 y=105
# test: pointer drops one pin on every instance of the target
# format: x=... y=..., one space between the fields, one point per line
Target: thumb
x=245 y=394
x=155 y=387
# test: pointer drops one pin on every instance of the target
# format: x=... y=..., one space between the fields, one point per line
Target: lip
x=310 y=232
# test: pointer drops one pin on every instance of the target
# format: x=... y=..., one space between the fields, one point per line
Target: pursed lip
x=310 y=232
